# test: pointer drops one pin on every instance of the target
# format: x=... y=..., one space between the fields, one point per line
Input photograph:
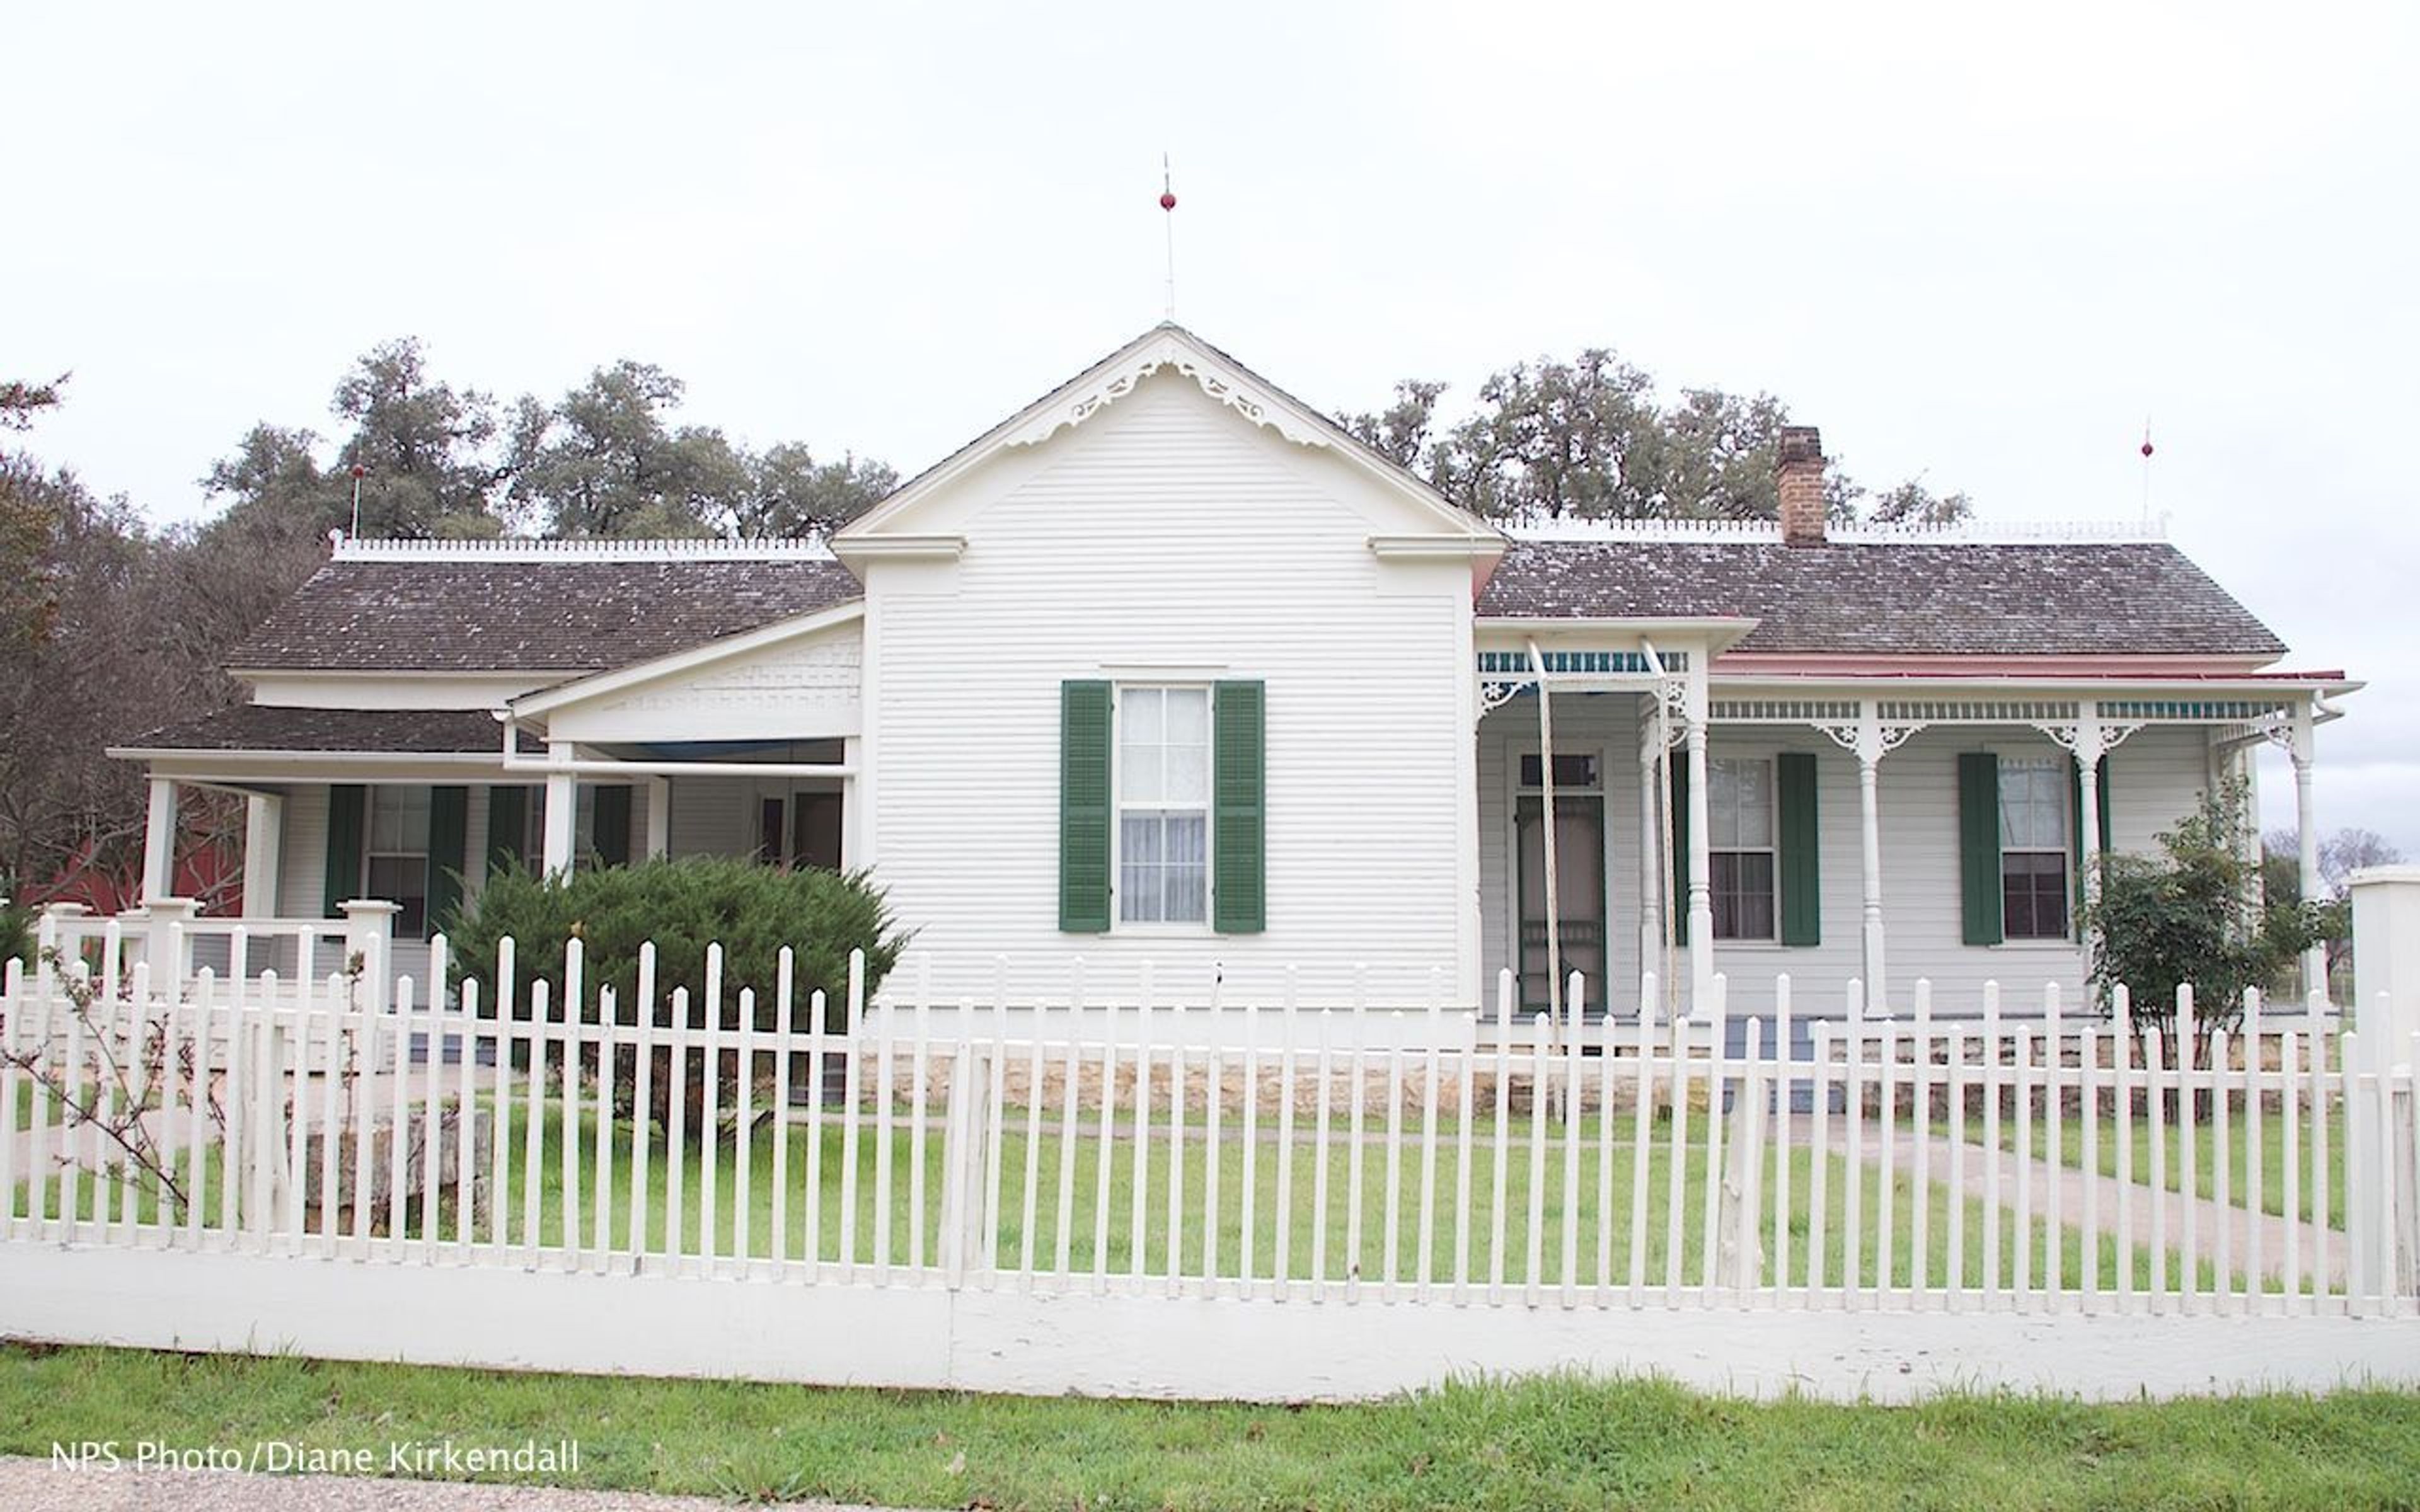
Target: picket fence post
x=2382 y=1220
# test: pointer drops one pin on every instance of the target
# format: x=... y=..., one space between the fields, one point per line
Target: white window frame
x=371 y=854
x=1119 y=923
x=1768 y=767
x=2061 y=797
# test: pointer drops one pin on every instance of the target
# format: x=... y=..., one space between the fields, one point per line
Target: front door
x=1579 y=894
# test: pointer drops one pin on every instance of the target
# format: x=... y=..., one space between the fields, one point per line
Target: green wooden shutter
x=1680 y=852
x=1238 y=808
x=449 y=849
x=1978 y=846
x=507 y=827
x=1800 y=877
x=347 y=813
x=1084 y=807
x=608 y=819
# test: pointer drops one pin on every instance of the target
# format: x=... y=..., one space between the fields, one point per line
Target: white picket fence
x=1245 y=1200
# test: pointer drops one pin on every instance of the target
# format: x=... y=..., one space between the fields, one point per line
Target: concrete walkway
x=29 y=1484
x=2323 y=1249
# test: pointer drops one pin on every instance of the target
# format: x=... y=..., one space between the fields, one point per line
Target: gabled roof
x=1906 y=598
x=689 y=660
x=1220 y=376
x=538 y=606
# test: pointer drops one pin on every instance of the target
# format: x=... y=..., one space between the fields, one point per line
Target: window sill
x=2036 y=945
x=1162 y=932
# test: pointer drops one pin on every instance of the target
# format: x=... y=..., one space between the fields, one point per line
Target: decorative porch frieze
x=1870 y=741
x=2088 y=740
x=1494 y=693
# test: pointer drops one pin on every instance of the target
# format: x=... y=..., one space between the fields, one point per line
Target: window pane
x=1186 y=838
x=1187 y=775
x=1139 y=869
x=398 y=819
x=1189 y=716
x=2034 y=895
x=1743 y=889
x=1138 y=773
x=1140 y=840
x=1722 y=807
x=403 y=879
x=1138 y=714
x=1739 y=805
x=1575 y=770
x=2033 y=804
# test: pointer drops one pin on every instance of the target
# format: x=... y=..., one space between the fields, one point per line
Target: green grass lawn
x=1547 y=1444
x=1322 y=1239
x=2206 y=1152
x=21 y=1114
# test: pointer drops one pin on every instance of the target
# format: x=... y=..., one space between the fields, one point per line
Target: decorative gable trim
x=1116 y=378
x=1219 y=377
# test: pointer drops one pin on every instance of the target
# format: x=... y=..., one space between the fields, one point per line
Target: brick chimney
x=1802 y=485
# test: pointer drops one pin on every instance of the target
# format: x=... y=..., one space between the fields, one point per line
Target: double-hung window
x=1740 y=813
x=1163 y=801
x=2033 y=839
x=396 y=862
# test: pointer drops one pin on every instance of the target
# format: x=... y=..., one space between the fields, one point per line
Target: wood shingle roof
x=1894 y=598
x=569 y=616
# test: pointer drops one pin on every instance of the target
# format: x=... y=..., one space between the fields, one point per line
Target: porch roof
x=1906 y=599
x=259 y=727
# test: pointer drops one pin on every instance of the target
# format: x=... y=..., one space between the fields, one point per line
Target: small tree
x=2180 y=917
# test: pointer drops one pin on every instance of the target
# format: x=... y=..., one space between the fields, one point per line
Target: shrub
x=749 y=909
x=2186 y=916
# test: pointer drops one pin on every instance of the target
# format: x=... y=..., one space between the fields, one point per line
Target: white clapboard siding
x=1169 y=537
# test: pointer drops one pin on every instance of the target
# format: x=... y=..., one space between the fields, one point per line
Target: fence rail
x=2049 y=1165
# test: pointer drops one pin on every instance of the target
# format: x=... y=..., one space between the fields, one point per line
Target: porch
x=1851 y=832
x=384 y=840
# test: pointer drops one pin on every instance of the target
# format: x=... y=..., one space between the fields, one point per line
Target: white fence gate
x=1142 y=1199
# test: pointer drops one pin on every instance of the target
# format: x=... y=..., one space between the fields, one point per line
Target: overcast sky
x=1981 y=253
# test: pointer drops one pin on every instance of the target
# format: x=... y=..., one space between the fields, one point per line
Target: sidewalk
x=2323 y=1249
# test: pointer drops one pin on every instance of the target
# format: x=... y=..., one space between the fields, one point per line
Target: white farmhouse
x=1167 y=669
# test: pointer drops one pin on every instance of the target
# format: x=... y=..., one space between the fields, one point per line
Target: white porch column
x=1702 y=884
x=562 y=812
x=2306 y=834
x=1554 y=875
x=2090 y=745
x=264 y=862
x=1650 y=845
x=660 y=817
x=1869 y=762
x=855 y=790
x=159 y=842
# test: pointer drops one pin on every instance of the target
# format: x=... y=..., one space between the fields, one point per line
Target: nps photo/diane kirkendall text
x=448 y=1457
